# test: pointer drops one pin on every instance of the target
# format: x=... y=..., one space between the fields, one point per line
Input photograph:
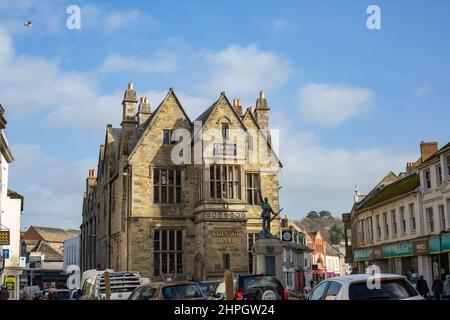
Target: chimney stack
x=144 y=111
x=427 y=149
x=129 y=106
x=237 y=106
x=262 y=112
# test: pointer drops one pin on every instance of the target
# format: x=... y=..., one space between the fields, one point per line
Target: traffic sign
x=5 y=254
x=4 y=237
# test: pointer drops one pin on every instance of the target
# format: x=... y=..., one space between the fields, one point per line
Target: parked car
x=30 y=291
x=254 y=287
x=176 y=290
x=57 y=294
x=122 y=285
x=208 y=287
x=361 y=287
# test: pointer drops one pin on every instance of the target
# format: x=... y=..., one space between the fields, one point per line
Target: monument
x=268 y=249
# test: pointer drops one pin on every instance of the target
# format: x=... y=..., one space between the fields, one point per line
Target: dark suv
x=254 y=287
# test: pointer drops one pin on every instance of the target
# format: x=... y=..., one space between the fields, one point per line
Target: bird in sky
x=29 y=23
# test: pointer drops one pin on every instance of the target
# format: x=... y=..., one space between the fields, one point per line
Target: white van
x=122 y=285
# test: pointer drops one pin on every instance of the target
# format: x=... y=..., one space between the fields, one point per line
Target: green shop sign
x=363 y=254
x=398 y=250
x=439 y=244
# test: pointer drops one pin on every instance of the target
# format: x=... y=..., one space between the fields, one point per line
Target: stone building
x=402 y=226
x=176 y=199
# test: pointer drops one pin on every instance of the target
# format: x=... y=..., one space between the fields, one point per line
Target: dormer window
x=225 y=130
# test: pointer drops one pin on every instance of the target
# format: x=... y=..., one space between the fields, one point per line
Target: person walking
x=437 y=288
x=4 y=294
x=422 y=287
x=447 y=287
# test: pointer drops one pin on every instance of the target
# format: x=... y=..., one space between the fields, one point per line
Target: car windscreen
x=185 y=291
x=257 y=285
x=207 y=287
x=391 y=289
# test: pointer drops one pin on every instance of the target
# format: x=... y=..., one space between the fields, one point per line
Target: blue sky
x=351 y=103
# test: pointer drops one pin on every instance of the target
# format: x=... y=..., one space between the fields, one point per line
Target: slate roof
x=332 y=251
x=392 y=190
x=50 y=253
x=56 y=234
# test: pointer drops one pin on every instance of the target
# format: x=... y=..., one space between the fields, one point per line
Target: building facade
x=297 y=256
x=71 y=252
x=176 y=199
x=11 y=207
x=401 y=225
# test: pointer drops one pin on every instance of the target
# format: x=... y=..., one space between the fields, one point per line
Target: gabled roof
x=55 y=234
x=332 y=251
x=50 y=253
x=250 y=114
x=391 y=191
x=204 y=117
x=145 y=127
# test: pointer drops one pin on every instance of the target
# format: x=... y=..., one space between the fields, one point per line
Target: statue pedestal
x=267 y=258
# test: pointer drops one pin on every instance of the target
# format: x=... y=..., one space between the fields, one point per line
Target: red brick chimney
x=427 y=149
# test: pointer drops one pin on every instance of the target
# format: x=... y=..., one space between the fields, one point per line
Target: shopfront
x=439 y=248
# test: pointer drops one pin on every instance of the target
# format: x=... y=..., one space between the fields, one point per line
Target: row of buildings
x=145 y=211
x=403 y=224
x=11 y=207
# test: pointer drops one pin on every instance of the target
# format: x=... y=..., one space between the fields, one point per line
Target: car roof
x=364 y=277
x=167 y=283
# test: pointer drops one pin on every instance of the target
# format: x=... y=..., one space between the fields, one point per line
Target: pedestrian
x=447 y=287
x=422 y=287
x=437 y=288
x=4 y=294
x=311 y=284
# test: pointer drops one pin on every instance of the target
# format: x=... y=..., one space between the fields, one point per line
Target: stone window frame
x=251 y=239
x=161 y=252
x=177 y=188
x=412 y=217
x=442 y=219
x=439 y=176
x=394 y=222
x=429 y=214
x=252 y=188
x=219 y=182
x=401 y=212
x=427 y=179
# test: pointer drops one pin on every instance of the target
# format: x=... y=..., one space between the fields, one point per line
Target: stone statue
x=267 y=217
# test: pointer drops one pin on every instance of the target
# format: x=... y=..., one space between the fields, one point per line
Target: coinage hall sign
x=4 y=237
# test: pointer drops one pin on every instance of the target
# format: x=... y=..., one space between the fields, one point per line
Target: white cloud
x=53 y=189
x=330 y=105
x=243 y=71
x=422 y=90
x=161 y=61
x=317 y=177
x=116 y=20
x=282 y=26
x=6 y=48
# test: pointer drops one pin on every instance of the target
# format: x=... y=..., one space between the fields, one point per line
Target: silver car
x=365 y=287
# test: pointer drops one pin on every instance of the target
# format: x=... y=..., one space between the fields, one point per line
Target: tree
x=313 y=215
x=324 y=214
x=335 y=234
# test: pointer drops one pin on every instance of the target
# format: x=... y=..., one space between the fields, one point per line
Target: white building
x=402 y=225
x=71 y=252
x=11 y=206
x=333 y=260
x=434 y=176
